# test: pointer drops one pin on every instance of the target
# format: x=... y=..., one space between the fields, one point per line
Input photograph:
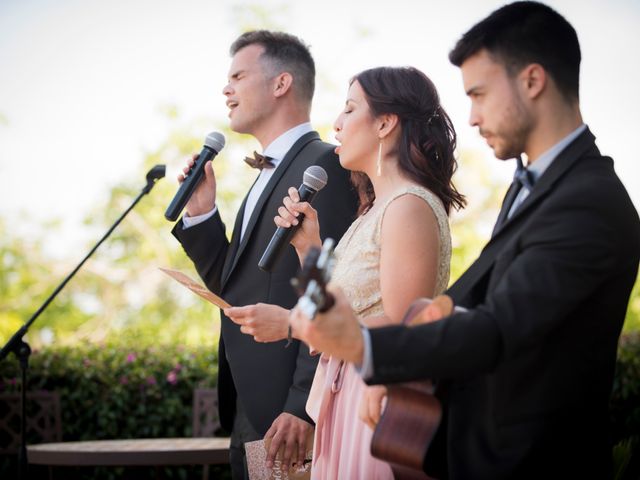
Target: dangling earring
x=379 y=162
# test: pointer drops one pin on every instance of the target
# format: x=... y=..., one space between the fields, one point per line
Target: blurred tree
x=120 y=290
x=471 y=227
x=27 y=278
x=632 y=320
x=135 y=296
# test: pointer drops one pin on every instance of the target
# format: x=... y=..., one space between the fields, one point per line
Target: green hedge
x=625 y=400
x=117 y=391
x=625 y=405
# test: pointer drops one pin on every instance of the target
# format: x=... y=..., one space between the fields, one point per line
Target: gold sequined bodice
x=357 y=269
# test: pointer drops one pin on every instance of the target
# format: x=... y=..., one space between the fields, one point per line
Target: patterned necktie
x=521 y=178
x=259 y=161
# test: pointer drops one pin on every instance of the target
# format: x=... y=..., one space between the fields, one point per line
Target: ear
x=533 y=80
x=386 y=124
x=282 y=84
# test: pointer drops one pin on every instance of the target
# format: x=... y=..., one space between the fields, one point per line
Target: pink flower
x=131 y=358
x=86 y=362
x=124 y=380
x=151 y=380
x=172 y=377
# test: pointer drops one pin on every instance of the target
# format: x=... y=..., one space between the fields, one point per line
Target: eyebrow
x=473 y=90
x=236 y=73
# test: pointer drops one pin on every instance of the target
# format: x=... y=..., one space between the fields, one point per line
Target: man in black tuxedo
x=264 y=386
x=528 y=368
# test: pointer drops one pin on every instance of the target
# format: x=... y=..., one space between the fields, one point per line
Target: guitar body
x=406 y=428
x=413 y=413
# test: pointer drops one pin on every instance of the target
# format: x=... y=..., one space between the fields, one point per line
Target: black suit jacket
x=268 y=378
x=529 y=368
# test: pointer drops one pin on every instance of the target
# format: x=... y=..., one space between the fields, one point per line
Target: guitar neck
x=315 y=300
x=313 y=278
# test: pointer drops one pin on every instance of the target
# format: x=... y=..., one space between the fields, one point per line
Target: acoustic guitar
x=412 y=413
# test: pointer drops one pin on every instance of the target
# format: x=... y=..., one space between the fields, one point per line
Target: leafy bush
x=118 y=391
x=625 y=402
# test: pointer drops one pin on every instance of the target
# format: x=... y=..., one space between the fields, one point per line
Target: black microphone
x=313 y=180
x=212 y=146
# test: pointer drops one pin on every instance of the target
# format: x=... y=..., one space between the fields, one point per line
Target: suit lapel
x=235 y=239
x=506 y=206
x=558 y=168
x=264 y=196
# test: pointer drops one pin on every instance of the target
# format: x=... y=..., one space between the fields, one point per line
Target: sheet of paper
x=195 y=287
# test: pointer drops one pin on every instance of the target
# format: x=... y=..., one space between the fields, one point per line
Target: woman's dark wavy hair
x=427 y=140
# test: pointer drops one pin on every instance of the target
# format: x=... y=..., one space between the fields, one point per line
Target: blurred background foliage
x=125 y=345
x=121 y=292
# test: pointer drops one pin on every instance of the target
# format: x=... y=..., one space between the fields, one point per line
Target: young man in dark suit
x=528 y=369
x=264 y=386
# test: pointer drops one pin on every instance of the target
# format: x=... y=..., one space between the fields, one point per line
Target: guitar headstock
x=312 y=279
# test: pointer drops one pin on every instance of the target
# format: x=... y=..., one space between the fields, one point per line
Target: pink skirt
x=342 y=442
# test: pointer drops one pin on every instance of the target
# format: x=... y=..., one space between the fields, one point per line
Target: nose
x=337 y=125
x=474 y=117
x=227 y=90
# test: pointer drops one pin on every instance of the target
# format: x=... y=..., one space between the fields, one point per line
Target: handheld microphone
x=212 y=146
x=313 y=180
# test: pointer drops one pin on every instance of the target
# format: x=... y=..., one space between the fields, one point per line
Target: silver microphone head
x=315 y=177
x=215 y=141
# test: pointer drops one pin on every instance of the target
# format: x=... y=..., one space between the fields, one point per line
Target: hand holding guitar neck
x=312 y=280
x=323 y=317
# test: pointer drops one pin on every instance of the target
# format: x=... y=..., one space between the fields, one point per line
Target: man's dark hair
x=284 y=53
x=522 y=33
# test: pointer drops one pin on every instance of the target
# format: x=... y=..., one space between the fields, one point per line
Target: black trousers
x=242 y=432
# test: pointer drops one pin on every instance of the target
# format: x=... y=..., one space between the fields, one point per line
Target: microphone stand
x=22 y=350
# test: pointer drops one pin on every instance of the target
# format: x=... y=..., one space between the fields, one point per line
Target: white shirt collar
x=281 y=145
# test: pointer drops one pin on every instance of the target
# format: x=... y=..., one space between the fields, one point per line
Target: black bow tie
x=259 y=161
x=522 y=175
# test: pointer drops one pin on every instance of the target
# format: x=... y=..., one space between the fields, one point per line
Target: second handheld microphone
x=313 y=180
x=213 y=144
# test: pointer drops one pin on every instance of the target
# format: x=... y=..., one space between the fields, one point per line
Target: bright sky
x=82 y=81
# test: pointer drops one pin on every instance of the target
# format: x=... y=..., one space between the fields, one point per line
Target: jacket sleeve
x=206 y=244
x=544 y=284
x=302 y=378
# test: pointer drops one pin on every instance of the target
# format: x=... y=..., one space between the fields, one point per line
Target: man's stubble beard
x=514 y=130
